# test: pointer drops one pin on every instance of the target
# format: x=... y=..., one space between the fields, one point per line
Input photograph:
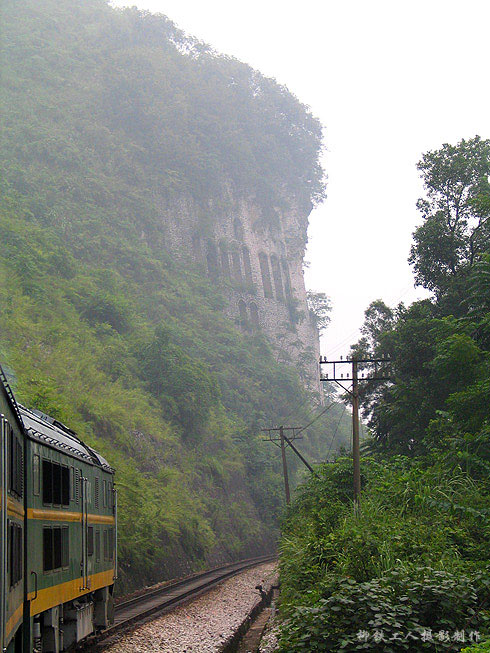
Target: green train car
x=59 y=565
x=12 y=515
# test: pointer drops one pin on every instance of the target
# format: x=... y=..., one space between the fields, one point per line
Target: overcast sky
x=389 y=80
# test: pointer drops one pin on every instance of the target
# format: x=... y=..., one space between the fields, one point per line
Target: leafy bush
x=395 y=612
x=414 y=558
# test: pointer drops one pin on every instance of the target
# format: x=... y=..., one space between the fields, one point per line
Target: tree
x=456 y=212
x=319 y=306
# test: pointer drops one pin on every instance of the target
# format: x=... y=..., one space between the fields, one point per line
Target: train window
x=9 y=440
x=20 y=470
x=15 y=547
x=15 y=457
x=48 y=549
x=36 y=478
x=90 y=541
x=96 y=492
x=56 y=484
x=97 y=546
x=65 y=555
x=56 y=471
x=65 y=486
x=55 y=548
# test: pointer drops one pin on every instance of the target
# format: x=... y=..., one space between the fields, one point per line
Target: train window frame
x=56 y=549
x=15 y=463
x=15 y=557
x=55 y=483
x=65 y=547
x=97 y=545
x=36 y=475
x=47 y=549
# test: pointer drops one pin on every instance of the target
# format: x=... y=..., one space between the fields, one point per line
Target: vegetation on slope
x=111 y=120
x=411 y=570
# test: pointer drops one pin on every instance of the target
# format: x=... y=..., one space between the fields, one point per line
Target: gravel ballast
x=204 y=624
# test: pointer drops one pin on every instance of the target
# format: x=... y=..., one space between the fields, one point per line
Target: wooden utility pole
x=356 y=454
x=282 y=442
x=284 y=466
x=374 y=374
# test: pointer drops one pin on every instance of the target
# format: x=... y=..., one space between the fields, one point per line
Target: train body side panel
x=81 y=524
x=12 y=464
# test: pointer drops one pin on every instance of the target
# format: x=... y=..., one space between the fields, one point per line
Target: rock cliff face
x=260 y=267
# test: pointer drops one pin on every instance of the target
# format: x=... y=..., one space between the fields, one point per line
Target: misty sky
x=389 y=80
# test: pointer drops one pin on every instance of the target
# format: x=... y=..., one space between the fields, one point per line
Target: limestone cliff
x=260 y=268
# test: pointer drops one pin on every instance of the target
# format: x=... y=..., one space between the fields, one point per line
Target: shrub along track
x=157 y=601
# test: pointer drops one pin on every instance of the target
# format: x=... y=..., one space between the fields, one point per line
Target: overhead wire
x=303 y=428
x=404 y=291
x=335 y=432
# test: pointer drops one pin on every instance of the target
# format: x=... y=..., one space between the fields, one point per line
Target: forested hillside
x=108 y=116
x=410 y=570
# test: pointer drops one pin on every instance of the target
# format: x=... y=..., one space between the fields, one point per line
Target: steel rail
x=129 y=613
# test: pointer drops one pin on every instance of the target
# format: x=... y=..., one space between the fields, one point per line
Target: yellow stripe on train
x=51 y=596
x=14 y=620
x=65 y=515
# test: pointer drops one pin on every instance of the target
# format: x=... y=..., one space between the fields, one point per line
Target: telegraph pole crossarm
x=355 y=364
x=281 y=442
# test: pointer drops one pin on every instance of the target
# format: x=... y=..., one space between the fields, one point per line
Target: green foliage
x=319 y=306
x=484 y=646
x=113 y=121
x=413 y=559
x=455 y=211
x=392 y=613
x=185 y=388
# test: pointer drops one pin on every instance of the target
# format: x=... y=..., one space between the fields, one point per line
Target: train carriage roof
x=10 y=399
x=43 y=428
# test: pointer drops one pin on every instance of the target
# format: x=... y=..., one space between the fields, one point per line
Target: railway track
x=157 y=601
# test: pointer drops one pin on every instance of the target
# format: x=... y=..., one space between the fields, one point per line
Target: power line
x=303 y=428
x=335 y=432
x=299 y=407
x=340 y=344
